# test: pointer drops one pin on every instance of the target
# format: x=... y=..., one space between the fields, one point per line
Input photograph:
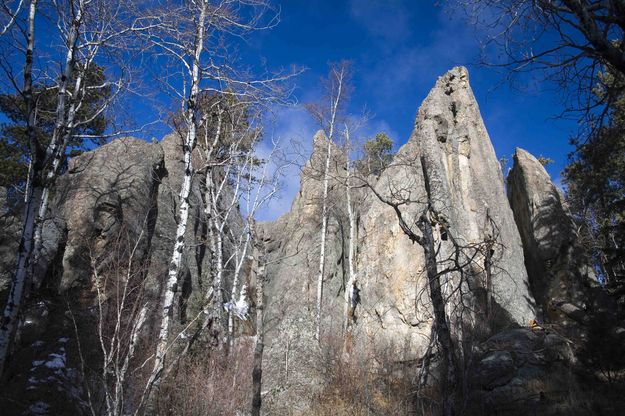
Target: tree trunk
x=257 y=372
x=50 y=177
x=324 y=232
x=443 y=333
x=33 y=193
x=350 y=295
x=183 y=215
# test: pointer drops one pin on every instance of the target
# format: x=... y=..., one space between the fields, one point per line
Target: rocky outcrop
x=292 y=359
x=393 y=317
x=103 y=191
x=559 y=275
x=467 y=188
x=522 y=370
x=113 y=201
x=125 y=195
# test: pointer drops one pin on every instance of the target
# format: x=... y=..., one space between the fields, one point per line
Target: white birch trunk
x=183 y=216
x=33 y=191
x=350 y=300
x=324 y=232
x=324 y=220
x=50 y=176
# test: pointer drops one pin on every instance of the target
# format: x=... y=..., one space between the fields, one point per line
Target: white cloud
x=293 y=129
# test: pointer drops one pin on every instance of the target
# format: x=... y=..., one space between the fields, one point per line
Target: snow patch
x=56 y=361
x=39 y=408
x=239 y=308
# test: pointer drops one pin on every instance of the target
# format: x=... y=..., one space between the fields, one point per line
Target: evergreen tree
x=596 y=183
x=14 y=149
x=378 y=155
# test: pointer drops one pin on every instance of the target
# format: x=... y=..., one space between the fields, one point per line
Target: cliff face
x=394 y=310
x=116 y=202
x=500 y=254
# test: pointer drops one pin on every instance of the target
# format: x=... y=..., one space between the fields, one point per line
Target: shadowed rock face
x=555 y=263
x=102 y=191
x=394 y=313
x=118 y=195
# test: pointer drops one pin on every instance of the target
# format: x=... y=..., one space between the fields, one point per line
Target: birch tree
x=121 y=316
x=237 y=183
x=85 y=28
x=351 y=294
x=328 y=114
x=188 y=38
x=9 y=10
x=14 y=300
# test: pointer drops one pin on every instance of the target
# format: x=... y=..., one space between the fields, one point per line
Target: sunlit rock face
x=393 y=317
x=467 y=189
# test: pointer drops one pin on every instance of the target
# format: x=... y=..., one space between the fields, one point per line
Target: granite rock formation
x=393 y=314
x=521 y=264
x=560 y=276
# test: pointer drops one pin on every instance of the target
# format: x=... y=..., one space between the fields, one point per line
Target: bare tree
x=351 y=295
x=9 y=10
x=570 y=41
x=87 y=29
x=188 y=38
x=449 y=265
x=328 y=115
x=121 y=315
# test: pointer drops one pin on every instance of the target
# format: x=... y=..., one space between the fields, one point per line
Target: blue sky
x=398 y=49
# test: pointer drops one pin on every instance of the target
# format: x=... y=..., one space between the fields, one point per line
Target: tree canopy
x=377 y=155
x=14 y=147
x=596 y=184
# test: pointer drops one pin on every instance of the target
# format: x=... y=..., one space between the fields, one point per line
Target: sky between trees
x=398 y=48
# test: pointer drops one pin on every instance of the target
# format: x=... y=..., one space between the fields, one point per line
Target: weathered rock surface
x=103 y=191
x=393 y=316
x=122 y=194
x=559 y=275
x=292 y=358
x=130 y=188
x=519 y=371
x=450 y=132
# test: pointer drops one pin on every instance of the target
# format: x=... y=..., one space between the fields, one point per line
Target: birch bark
x=350 y=298
x=334 y=105
x=183 y=215
x=33 y=191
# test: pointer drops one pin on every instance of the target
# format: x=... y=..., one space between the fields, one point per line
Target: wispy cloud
x=293 y=129
x=415 y=63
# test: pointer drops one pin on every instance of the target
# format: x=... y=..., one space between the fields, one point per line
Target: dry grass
x=219 y=384
x=364 y=383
